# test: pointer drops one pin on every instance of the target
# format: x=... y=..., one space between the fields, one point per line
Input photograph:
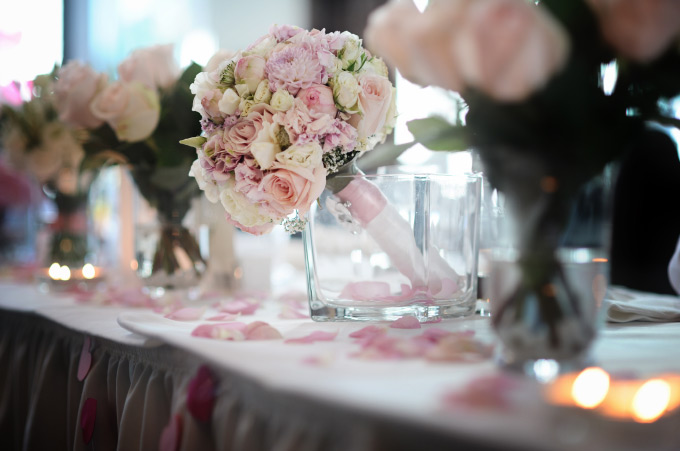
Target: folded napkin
x=623 y=305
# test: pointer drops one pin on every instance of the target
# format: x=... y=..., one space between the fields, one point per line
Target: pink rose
x=74 y=90
x=210 y=102
x=319 y=99
x=510 y=48
x=375 y=99
x=218 y=58
x=249 y=70
x=131 y=109
x=242 y=134
x=639 y=29
x=506 y=48
x=285 y=189
x=154 y=67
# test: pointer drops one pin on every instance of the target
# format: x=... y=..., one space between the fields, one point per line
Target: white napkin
x=623 y=305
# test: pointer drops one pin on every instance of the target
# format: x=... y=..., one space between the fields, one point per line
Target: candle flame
x=590 y=388
x=64 y=273
x=651 y=400
x=54 y=271
x=88 y=271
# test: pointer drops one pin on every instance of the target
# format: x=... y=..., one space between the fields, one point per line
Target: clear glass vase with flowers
x=554 y=93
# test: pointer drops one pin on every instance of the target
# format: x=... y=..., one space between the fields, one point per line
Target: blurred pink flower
x=88 y=415
x=201 y=394
x=154 y=67
x=74 y=91
x=639 y=29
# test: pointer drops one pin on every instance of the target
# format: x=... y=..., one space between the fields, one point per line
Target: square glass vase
x=382 y=247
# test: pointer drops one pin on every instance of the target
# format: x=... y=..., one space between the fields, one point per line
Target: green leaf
x=195 y=142
x=435 y=133
x=189 y=74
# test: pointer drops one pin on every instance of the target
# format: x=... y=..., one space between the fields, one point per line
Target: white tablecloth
x=271 y=397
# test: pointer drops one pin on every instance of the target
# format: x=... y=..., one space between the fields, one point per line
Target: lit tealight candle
x=88 y=271
x=590 y=388
x=64 y=273
x=54 y=272
x=651 y=400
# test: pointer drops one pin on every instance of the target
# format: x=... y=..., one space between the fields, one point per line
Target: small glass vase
x=550 y=275
x=171 y=238
x=381 y=247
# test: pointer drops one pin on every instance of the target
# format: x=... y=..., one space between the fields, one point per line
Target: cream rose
x=131 y=109
x=262 y=94
x=304 y=156
x=375 y=99
x=249 y=71
x=351 y=50
x=282 y=100
x=229 y=102
x=154 y=67
x=346 y=91
x=266 y=146
x=639 y=29
x=206 y=185
x=76 y=87
x=240 y=209
x=286 y=189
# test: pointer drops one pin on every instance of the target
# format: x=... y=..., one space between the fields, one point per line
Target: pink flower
x=250 y=70
x=284 y=32
x=639 y=29
x=292 y=188
x=253 y=230
x=293 y=68
x=74 y=91
x=210 y=103
x=171 y=437
x=318 y=99
x=155 y=67
x=342 y=135
x=247 y=178
x=303 y=125
x=201 y=394
x=242 y=134
x=375 y=98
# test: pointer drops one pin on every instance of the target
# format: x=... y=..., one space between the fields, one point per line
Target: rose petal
x=323 y=360
x=487 y=392
x=201 y=394
x=259 y=330
x=365 y=291
x=223 y=317
x=368 y=332
x=242 y=306
x=406 y=322
x=171 y=436
x=221 y=331
x=288 y=312
x=85 y=360
x=187 y=314
x=317 y=335
x=88 y=415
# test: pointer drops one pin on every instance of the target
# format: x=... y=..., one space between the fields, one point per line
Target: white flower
x=229 y=102
x=240 y=208
x=261 y=48
x=305 y=156
x=351 y=50
x=202 y=84
x=266 y=145
x=376 y=66
x=282 y=100
x=346 y=91
x=204 y=183
x=262 y=93
x=245 y=105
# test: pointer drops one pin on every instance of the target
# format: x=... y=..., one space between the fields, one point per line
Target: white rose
x=261 y=48
x=346 y=91
x=262 y=93
x=240 y=208
x=212 y=192
x=202 y=84
x=351 y=50
x=245 y=105
x=266 y=145
x=376 y=66
x=305 y=156
x=229 y=102
x=282 y=100
x=242 y=90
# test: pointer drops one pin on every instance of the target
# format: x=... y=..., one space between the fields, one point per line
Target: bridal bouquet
x=280 y=116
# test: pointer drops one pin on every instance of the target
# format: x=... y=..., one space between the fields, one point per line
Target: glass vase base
x=424 y=313
x=542 y=370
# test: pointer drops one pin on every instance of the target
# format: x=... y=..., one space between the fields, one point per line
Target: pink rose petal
x=323 y=360
x=368 y=332
x=242 y=306
x=171 y=436
x=88 y=415
x=487 y=393
x=221 y=331
x=223 y=317
x=187 y=314
x=201 y=394
x=365 y=291
x=288 y=312
x=317 y=335
x=406 y=322
x=85 y=360
x=259 y=330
